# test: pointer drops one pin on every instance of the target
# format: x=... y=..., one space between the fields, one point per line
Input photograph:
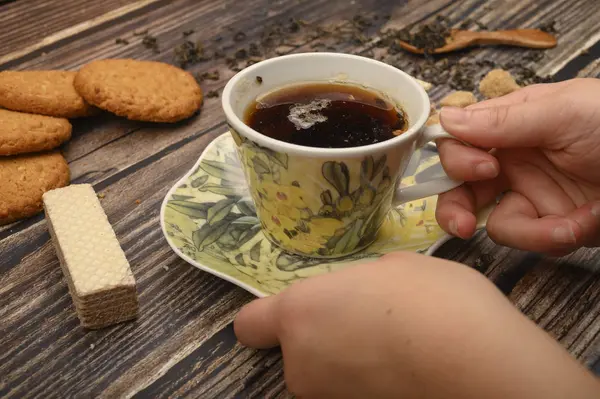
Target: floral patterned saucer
x=214 y=190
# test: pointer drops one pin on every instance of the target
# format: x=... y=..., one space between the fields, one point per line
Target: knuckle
x=497 y=117
x=294 y=310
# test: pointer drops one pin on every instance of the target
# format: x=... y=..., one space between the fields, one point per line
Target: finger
x=256 y=324
x=515 y=223
x=455 y=212
x=588 y=218
x=456 y=209
x=507 y=126
x=466 y=163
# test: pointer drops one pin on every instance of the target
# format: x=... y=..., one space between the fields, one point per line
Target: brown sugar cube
x=433 y=119
x=497 y=83
x=459 y=99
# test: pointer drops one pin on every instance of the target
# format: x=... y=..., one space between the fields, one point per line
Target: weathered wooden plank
x=149 y=250
x=96 y=139
x=110 y=134
x=88 y=150
x=200 y=304
x=21 y=27
x=176 y=349
x=591 y=55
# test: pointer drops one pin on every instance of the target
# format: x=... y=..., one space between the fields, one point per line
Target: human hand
x=409 y=326
x=547 y=153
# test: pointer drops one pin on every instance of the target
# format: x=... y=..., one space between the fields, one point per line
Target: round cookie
x=140 y=90
x=25 y=179
x=24 y=133
x=43 y=92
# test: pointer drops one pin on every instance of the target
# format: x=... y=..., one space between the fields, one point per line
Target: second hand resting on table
x=413 y=326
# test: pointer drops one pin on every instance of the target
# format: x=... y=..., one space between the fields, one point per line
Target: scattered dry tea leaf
x=460 y=99
x=497 y=83
x=427 y=37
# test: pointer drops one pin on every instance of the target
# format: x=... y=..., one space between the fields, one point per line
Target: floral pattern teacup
x=322 y=202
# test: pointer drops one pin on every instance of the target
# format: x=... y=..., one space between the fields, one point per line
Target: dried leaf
x=208 y=234
x=278 y=157
x=289 y=262
x=251 y=220
x=260 y=166
x=239 y=258
x=222 y=190
x=379 y=166
x=197 y=182
x=366 y=169
x=248 y=234
x=221 y=170
x=218 y=211
x=255 y=252
x=194 y=210
x=227 y=241
x=231 y=159
x=246 y=207
x=350 y=239
x=176 y=197
x=336 y=173
x=326 y=197
x=231 y=183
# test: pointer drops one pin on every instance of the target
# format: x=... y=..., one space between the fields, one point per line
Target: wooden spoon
x=459 y=39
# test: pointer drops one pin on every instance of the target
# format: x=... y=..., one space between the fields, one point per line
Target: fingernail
x=453 y=117
x=453 y=227
x=563 y=235
x=486 y=170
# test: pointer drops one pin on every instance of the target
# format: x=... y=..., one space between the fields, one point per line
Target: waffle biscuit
x=98 y=274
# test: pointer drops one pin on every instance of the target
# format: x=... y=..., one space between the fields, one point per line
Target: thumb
x=256 y=324
x=527 y=124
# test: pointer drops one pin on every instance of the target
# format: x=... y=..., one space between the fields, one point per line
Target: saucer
x=237 y=251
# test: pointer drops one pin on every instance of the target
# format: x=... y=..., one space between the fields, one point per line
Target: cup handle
x=431 y=187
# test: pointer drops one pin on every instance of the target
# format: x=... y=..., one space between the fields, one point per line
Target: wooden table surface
x=183 y=342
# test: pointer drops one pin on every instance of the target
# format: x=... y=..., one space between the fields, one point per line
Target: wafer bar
x=97 y=271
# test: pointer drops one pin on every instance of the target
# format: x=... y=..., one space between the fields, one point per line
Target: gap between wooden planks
x=73 y=30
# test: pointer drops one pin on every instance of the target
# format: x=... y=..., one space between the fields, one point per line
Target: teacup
x=322 y=202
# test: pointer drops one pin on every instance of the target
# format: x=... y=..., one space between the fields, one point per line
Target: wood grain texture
x=183 y=342
x=21 y=26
